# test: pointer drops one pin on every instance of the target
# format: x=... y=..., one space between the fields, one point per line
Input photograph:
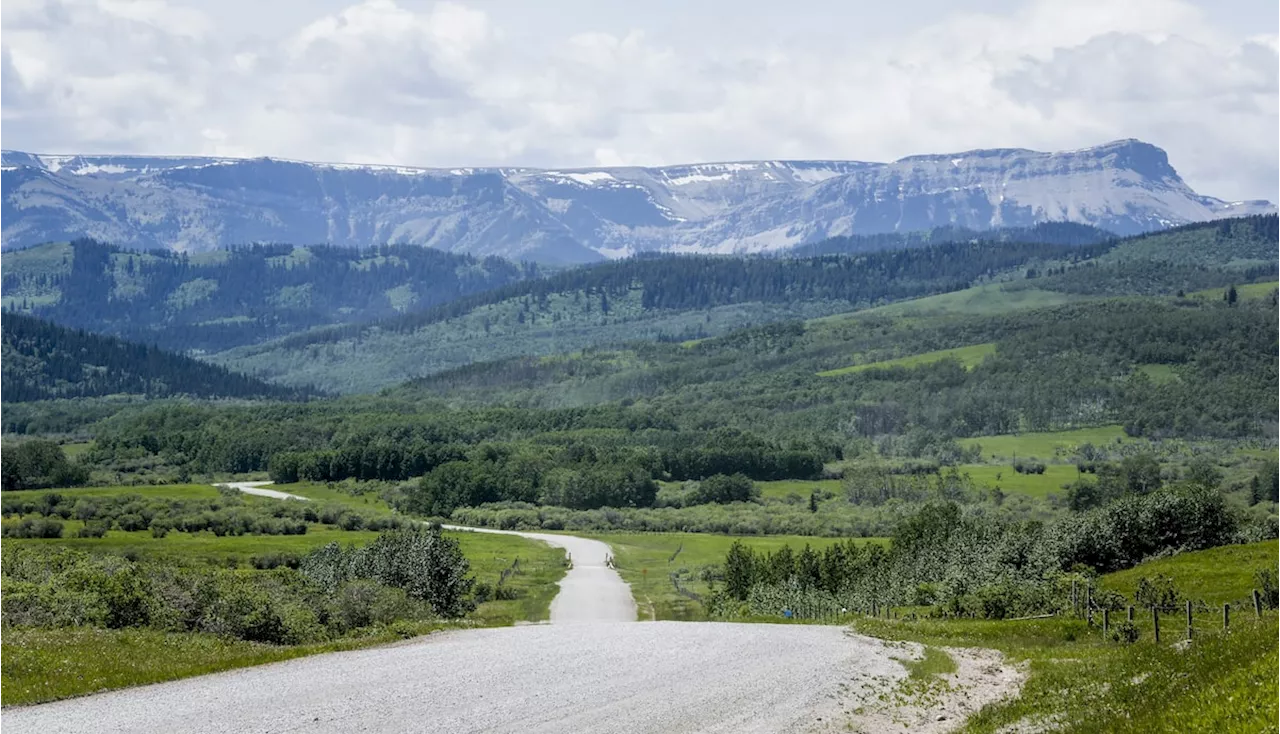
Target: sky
x=579 y=83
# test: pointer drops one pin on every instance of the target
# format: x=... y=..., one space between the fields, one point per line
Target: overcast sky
x=562 y=83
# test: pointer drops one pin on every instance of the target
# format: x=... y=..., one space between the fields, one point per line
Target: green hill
x=43 y=361
x=217 y=300
x=653 y=298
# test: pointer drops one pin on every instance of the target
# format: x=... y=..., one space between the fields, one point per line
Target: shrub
x=93 y=529
x=32 y=527
x=418 y=559
x=1126 y=633
x=719 y=488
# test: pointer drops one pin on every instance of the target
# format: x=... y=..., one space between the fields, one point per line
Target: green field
x=1010 y=481
x=146 y=491
x=647 y=561
x=1215 y=576
x=969 y=357
x=982 y=300
x=802 y=488
x=1045 y=446
x=1159 y=373
x=1246 y=292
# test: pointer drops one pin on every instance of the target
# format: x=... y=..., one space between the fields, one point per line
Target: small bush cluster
x=965 y=563
x=229 y=514
x=405 y=575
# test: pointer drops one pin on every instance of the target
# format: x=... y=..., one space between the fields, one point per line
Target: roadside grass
x=1080 y=683
x=1215 y=576
x=933 y=663
x=1222 y=681
x=969 y=357
x=1011 y=482
x=42 y=665
x=1046 y=446
x=647 y=561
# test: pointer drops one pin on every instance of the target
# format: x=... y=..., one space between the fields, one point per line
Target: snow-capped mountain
x=579 y=215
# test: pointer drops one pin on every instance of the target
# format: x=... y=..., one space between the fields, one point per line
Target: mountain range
x=573 y=216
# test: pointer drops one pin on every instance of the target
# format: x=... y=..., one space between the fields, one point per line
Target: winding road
x=593 y=669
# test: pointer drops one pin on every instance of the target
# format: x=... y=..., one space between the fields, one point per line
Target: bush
x=93 y=529
x=31 y=527
x=277 y=559
x=418 y=559
x=719 y=488
x=1126 y=633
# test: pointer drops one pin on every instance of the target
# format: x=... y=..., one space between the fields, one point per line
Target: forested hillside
x=668 y=298
x=43 y=361
x=217 y=300
x=689 y=298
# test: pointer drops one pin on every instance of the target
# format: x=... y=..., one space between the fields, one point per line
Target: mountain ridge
x=585 y=214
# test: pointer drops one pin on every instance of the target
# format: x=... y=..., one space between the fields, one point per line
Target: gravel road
x=607 y=677
x=590 y=592
x=601 y=674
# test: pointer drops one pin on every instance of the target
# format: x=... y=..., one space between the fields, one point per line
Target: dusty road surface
x=659 y=677
x=590 y=592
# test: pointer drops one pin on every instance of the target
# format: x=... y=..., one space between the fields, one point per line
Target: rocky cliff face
x=580 y=215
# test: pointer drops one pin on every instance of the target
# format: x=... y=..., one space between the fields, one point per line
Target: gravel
x=614 y=677
x=592 y=669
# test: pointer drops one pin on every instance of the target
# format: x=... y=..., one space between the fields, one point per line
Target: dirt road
x=658 y=677
x=590 y=592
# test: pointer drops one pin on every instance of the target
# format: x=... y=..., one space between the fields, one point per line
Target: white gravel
x=608 y=677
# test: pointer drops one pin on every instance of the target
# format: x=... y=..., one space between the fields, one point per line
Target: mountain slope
x=218 y=300
x=665 y=298
x=575 y=216
x=43 y=361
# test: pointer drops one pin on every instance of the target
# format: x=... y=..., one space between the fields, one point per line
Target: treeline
x=577 y=474
x=44 y=361
x=243 y=295
x=1048 y=233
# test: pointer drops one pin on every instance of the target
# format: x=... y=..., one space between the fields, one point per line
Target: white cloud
x=450 y=85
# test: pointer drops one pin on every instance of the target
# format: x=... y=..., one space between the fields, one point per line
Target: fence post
x=1257 y=603
x=1131 y=613
x=1155 y=621
x=1188 y=619
x=1088 y=602
x=1075 y=606
x=1106 y=622
x=1226 y=616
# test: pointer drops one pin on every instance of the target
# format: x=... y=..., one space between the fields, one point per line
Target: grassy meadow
x=969 y=357
x=1046 y=446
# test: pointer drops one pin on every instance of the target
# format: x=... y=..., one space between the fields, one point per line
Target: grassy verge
x=648 y=560
x=45 y=665
x=1079 y=682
